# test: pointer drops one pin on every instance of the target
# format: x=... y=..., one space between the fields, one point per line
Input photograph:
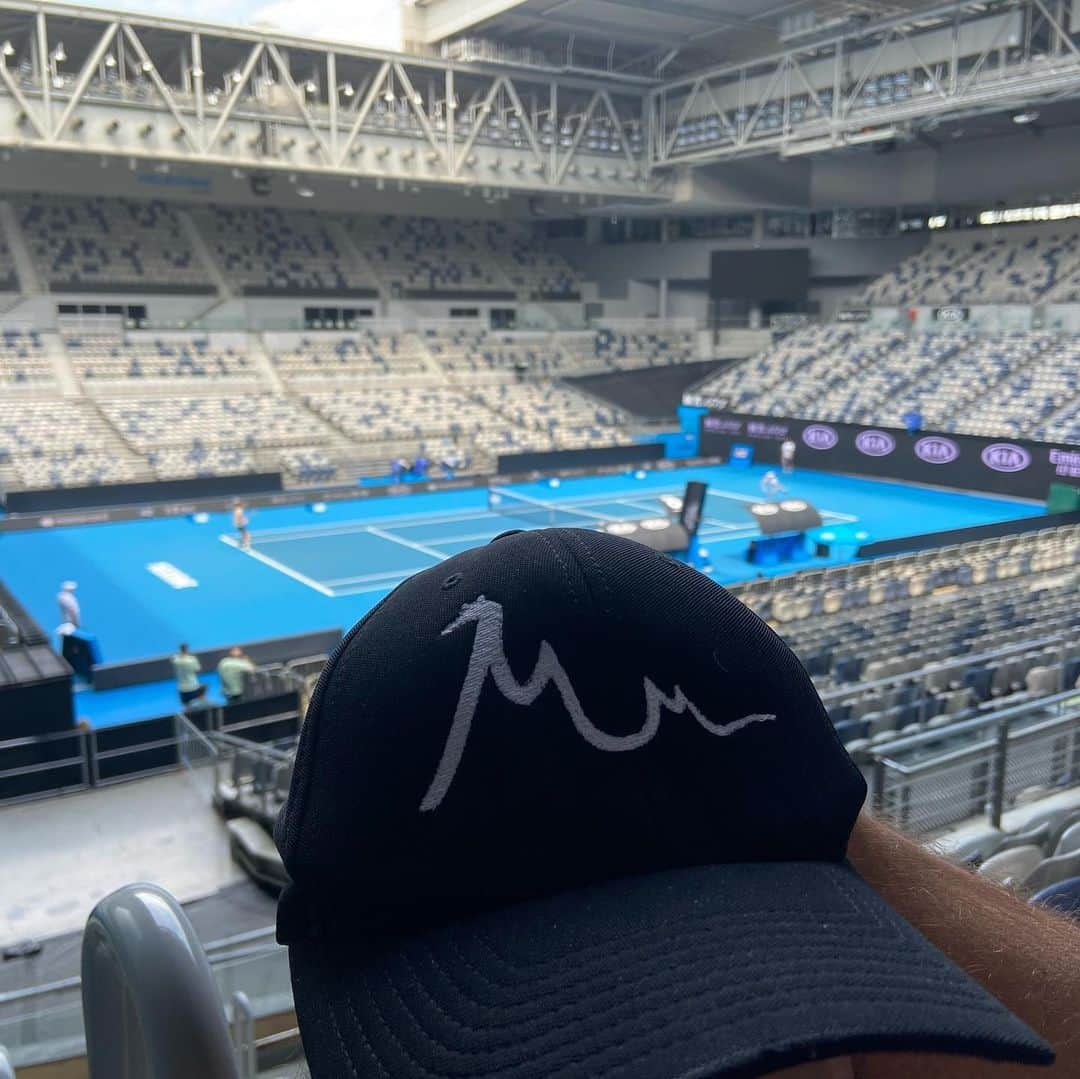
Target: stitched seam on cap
x=582 y=550
x=547 y=541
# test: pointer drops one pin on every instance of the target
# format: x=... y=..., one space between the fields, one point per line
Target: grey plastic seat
x=1051 y=870
x=1034 y=835
x=1010 y=867
x=150 y=1003
x=978 y=848
x=1069 y=841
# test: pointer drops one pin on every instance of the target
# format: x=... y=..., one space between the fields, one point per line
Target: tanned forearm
x=1028 y=957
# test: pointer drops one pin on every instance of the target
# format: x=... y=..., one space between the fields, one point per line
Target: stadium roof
x=651 y=38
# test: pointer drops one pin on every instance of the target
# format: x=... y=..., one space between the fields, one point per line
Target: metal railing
x=979 y=766
x=45 y=1022
x=76 y=761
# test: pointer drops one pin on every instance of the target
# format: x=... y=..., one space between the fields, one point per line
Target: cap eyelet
x=451 y=581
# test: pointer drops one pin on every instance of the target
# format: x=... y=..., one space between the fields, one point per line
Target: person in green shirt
x=187 y=667
x=231 y=671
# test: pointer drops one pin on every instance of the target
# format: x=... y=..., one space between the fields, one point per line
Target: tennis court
x=145 y=585
x=327 y=557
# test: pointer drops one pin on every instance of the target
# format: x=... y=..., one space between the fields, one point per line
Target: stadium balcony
x=368 y=355
x=134 y=362
x=631 y=346
x=535 y=272
x=428 y=258
x=742 y=387
x=55 y=443
x=1023 y=384
x=270 y=252
x=1032 y=392
x=922 y=620
x=477 y=353
x=1063 y=426
x=569 y=419
x=203 y=436
x=109 y=245
x=1024 y=267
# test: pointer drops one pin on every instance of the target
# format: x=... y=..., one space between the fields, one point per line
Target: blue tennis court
x=146 y=585
x=326 y=557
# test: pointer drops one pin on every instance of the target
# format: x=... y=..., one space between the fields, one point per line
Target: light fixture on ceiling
x=348 y=89
x=147 y=65
x=7 y=49
x=306 y=192
x=1027 y=116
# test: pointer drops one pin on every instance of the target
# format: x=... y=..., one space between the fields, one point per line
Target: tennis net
x=537 y=513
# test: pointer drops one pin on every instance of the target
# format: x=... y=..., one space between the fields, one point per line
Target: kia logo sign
x=875 y=443
x=936 y=451
x=1005 y=457
x=819 y=436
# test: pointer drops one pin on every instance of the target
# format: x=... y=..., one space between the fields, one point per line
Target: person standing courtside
x=787 y=455
x=231 y=671
x=240 y=523
x=66 y=600
x=187 y=667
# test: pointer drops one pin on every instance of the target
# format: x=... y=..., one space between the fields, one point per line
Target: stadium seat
x=1011 y=867
x=1053 y=870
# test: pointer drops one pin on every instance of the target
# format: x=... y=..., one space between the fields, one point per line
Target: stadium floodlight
x=58 y=55
x=305 y=192
x=212 y=98
x=237 y=77
x=348 y=89
x=1027 y=116
x=7 y=49
x=310 y=87
x=196 y=72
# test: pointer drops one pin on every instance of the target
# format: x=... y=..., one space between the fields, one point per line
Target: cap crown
x=556 y=708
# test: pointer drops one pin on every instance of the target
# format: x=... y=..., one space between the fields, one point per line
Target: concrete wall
x=1009 y=167
x=611 y=266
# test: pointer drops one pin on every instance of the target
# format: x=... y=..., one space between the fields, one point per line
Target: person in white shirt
x=787 y=455
x=69 y=606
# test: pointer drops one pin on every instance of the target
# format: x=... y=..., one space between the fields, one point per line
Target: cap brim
x=709 y=971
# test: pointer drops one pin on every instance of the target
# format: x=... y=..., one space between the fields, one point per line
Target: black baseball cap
x=563 y=806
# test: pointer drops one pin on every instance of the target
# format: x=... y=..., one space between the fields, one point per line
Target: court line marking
x=388 y=585
x=442 y=556
x=416 y=520
x=273 y=563
x=364 y=578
